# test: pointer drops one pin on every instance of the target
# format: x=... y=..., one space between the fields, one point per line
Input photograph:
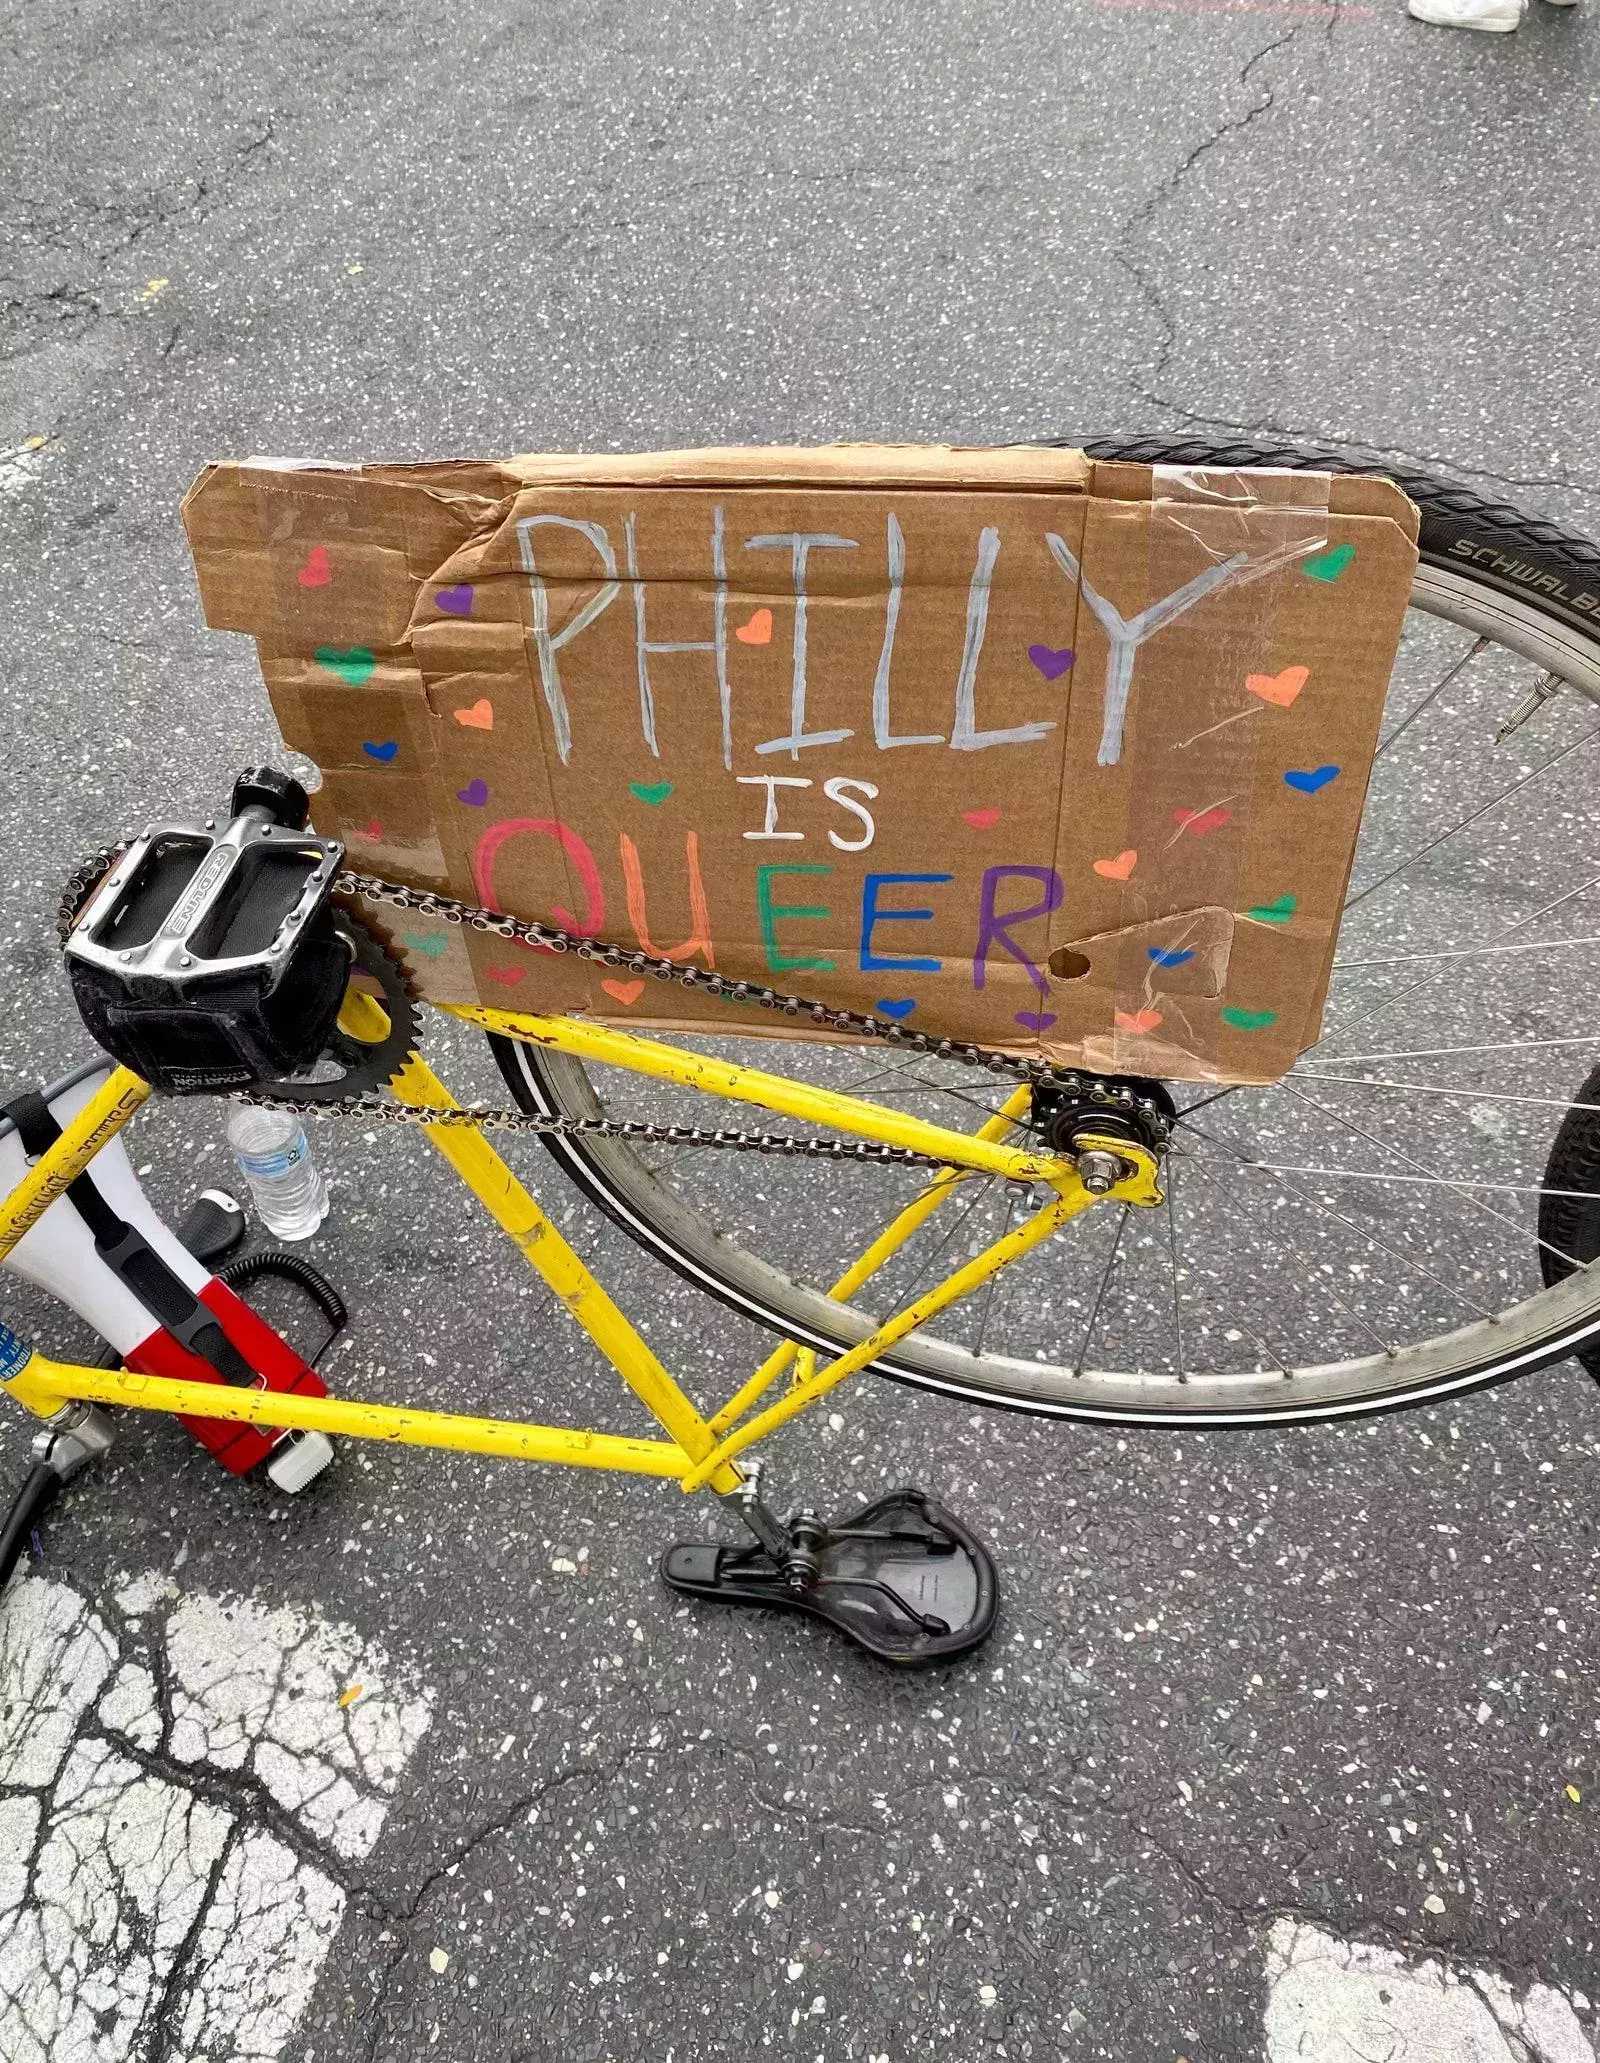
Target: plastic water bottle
x=274 y=1157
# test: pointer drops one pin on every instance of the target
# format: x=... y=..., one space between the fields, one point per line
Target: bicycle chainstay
x=1093 y=1089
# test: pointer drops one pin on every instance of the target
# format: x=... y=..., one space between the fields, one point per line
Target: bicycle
x=1025 y=1311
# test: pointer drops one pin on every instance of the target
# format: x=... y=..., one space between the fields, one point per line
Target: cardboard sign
x=1062 y=758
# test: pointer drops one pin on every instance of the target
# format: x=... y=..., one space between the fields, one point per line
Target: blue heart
x=386 y=751
x=897 y=1006
x=1309 y=779
x=1174 y=957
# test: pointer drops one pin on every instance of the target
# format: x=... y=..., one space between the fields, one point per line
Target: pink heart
x=981 y=819
x=371 y=834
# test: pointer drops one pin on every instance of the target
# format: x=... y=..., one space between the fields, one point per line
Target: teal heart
x=1278 y=912
x=355 y=666
x=653 y=792
x=1330 y=564
x=1249 y=1020
x=431 y=944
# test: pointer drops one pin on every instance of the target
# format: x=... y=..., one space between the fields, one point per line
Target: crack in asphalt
x=1122 y=249
x=96 y=233
x=1148 y=388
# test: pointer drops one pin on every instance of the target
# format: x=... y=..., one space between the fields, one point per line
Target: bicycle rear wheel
x=1375 y=1231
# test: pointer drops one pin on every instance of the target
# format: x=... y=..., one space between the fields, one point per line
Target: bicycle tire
x=1545 y=583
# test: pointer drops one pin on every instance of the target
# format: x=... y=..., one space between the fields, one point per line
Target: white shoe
x=1497 y=16
x=1563 y=3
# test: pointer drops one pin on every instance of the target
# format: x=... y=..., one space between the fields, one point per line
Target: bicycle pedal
x=901 y=1578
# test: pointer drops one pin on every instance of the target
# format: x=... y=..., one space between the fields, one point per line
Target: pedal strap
x=129 y=1255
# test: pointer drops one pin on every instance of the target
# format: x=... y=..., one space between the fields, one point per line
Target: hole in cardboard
x=1067 y=965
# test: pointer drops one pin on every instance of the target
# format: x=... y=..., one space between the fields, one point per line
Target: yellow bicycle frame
x=698 y=1451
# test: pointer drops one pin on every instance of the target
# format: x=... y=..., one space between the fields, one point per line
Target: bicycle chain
x=1113 y=1096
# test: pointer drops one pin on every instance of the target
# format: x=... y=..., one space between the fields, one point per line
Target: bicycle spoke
x=1462 y=1189
x=1361 y=1231
x=1532 y=945
x=1389 y=1002
x=1445 y=1052
x=1310 y=1273
x=1433 y=693
x=994 y=1280
x=1467 y=1189
x=1100 y=1292
x=981 y=1191
x=1472 y=817
x=1172 y=1256
x=1362 y=1081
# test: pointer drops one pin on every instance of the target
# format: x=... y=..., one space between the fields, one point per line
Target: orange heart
x=372 y=833
x=758 y=631
x=480 y=717
x=1137 y=1021
x=1120 y=868
x=624 y=991
x=509 y=975
x=1279 y=689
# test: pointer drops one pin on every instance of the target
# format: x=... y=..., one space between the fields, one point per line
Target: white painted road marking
x=1333 y=2001
x=134 y=1911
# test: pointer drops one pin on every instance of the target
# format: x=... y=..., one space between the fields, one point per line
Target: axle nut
x=1099 y=1171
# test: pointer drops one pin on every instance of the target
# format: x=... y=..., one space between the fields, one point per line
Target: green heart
x=430 y=945
x=653 y=792
x=1330 y=564
x=355 y=666
x=1249 y=1020
x=1273 y=913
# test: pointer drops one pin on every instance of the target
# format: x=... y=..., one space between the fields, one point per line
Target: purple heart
x=474 y=795
x=455 y=601
x=1035 y=1021
x=1051 y=663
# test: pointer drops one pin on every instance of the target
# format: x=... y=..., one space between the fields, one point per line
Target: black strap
x=128 y=1254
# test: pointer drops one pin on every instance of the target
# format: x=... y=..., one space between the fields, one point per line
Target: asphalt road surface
x=1287 y=1743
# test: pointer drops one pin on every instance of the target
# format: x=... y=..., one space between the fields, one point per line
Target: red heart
x=509 y=975
x=316 y=572
x=981 y=819
x=371 y=835
x=1200 y=821
x=624 y=991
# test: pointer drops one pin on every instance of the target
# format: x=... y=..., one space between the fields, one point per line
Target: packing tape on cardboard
x=1187 y=756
